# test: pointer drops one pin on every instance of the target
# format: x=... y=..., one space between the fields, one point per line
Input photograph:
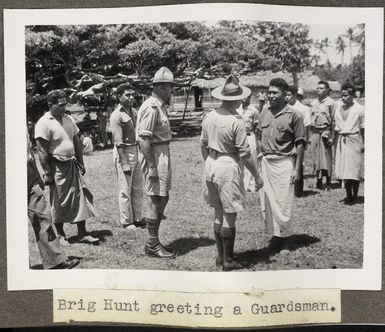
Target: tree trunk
x=295 y=79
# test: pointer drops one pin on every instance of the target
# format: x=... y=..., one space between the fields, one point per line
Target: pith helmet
x=163 y=75
x=231 y=90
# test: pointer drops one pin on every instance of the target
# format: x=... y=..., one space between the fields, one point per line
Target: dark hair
x=349 y=87
x=279 y=83
x=123 y=87
x=324 y=83
x=54 y=95
x=292 y=89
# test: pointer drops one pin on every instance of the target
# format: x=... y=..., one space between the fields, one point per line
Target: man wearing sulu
x=282 y=135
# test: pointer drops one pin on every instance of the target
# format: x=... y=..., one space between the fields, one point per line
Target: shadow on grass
x=40 y=266
x=184 y=245
x=101 y=235
x=307 y=193
x=250 y=258
x=360 y=200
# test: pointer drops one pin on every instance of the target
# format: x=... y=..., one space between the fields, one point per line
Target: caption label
x=263 y=308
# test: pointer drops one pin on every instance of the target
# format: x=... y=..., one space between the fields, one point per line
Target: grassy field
x=329 y=234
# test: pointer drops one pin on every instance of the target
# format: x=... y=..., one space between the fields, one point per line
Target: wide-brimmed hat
x=231 y=90
x=163 y=75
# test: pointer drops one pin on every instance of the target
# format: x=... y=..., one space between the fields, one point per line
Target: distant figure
x=322 y=134
x=125 y=154
x=262 y=97
x=304 y=111
x=60 y=153
x=251 y=117
x=94 y=137
x=282 y=134
x=86 y=143
x=102 y=119
x=350 y=124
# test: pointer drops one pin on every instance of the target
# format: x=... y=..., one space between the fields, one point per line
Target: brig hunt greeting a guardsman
x=243 y=150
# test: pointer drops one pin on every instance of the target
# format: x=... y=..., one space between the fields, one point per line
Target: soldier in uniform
x=282 y=135
x=225 y=148
x=154 y=136
x=322 y=134
x=125 y=154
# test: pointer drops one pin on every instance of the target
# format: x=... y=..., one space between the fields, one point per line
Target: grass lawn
x=329 y=234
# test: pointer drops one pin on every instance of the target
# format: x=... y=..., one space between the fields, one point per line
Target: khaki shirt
x=225 y=132
x=322 y=113
x=251 y=117
x=279 y=133
x=123 y=126
x=153 y=121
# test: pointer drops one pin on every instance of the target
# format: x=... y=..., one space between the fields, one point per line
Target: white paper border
x=21 y=277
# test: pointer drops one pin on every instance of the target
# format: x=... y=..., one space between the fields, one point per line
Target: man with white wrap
x=282 y=136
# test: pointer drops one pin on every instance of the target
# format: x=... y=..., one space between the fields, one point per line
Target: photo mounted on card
x=200 y=147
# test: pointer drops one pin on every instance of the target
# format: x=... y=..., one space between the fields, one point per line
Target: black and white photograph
x=198 y=147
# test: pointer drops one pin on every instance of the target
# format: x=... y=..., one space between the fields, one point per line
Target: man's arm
x=300 y=147
x=204 y=151
x=79 y=152
x=117 y=134
x=44 y=157
x=148 y=153
x=249 y=163
x=362 y=132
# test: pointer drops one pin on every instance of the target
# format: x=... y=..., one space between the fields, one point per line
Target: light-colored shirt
x=153 y=121
x=304 y=111
x=280 y=133
x=322 y=113
x=354 y=121
x=123 y=123
x=59 y=135
x=87 y=145
x=225 y=132
x=251 y=117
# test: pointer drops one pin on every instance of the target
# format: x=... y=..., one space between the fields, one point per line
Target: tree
x=359 y=38
x=350 y=37
x=287 y=42
x=340 y=47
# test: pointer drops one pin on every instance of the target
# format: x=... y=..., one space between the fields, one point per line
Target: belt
x=348 y=134
x=161 y=143
x=319 y=130
x=216 y=154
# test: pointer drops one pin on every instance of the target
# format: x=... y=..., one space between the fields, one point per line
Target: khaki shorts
x=162 y=185
x=224 y=182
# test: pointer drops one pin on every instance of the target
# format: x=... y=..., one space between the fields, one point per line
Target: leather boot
x=153 y=247
x=228 y=239
x=158 y=251
x=219 y=242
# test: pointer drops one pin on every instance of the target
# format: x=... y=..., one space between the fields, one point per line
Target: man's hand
x=294 y=176
x=82 y=169
x=153 y=172
x=47 y=179
x=258 y=182
x=126 y=169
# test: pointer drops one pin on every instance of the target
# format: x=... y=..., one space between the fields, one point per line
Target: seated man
x=86 y=141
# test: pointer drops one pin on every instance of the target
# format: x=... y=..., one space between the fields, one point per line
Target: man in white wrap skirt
x=349 y=122
x=282 y=136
